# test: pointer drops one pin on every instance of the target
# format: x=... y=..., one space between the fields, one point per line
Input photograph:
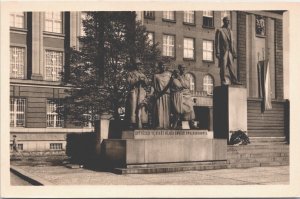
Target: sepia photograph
x=162 y=97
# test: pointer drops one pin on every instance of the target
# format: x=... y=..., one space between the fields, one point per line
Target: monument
x=167 y=142
x=229 y=101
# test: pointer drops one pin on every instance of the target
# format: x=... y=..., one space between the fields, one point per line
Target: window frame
x=13 y=45
x=206 y=85
x=149 y=17
x=194 y=49
x=192 y=83
x=45 y=63
x=55 y=144
x=204 y=50
x=167 y=19
x=174 y=36
x=153 y=38
x=189 y=23
x=213 y=20
x=57 y=101
x=62 y=24
x=14 y=111
x=24 y=21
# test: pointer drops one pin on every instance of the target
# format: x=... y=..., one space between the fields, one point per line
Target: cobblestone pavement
x=60 y=175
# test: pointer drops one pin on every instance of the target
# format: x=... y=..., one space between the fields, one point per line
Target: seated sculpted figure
x=136 y=113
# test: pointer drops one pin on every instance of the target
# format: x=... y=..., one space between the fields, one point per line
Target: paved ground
x=16 y=180
x=60 y=175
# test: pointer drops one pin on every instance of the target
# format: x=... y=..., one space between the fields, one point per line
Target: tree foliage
x=98 y=70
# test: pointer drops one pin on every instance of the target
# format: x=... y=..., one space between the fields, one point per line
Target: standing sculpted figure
x=137 y=113
x=182 y=98
x=161 y=84
x=225 y=52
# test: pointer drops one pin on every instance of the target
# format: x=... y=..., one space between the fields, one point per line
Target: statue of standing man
x=225 y=52
x=136 y=111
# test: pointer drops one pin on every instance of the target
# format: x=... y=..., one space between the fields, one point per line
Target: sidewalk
x=60 y=175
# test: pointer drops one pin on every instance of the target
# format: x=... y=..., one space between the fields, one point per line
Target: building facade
x=39 y=43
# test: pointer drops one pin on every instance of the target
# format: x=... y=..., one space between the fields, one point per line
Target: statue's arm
x=217 y=43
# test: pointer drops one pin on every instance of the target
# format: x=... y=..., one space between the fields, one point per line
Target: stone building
x=38 y=43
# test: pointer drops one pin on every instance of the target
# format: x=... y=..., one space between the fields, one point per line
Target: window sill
x=261 y=36
x=189 y=59
x=189 y=24
x=152 y=18
x=169 y=20
x=53 y=34
x=19 y=30
x=208 y=27
x=208 y=61
x=169 y=57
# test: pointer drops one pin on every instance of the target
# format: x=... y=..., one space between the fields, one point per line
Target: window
x=169 y=15
x=225 y=14
x=189 y=17
x=149 y=14
x=17 y=62
x=208 y=19
x=17 y=20
x=83 y=16
x=192 y=81
x=151 y=38
x=54 y=114
x=53 y=22
x=54 y=65
x=188 y=48
x=208 y=50
x=169 y=45
x=17 y=112
x=208 y=84
x=56 y=146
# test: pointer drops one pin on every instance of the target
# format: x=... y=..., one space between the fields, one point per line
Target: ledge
x=50 y=130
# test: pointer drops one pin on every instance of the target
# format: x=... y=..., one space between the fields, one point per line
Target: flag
x=264 y=81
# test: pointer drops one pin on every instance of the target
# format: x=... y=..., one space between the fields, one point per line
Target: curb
x=31 y=178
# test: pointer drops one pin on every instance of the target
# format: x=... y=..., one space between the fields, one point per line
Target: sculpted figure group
x=171 y=98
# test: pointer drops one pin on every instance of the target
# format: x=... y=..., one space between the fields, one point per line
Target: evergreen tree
x=98 y=70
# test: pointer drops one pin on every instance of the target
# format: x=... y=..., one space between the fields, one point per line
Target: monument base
x=146 y=148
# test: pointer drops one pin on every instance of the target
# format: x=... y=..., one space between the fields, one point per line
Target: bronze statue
x=137 y=114
x=225 y=52
x=161 y=84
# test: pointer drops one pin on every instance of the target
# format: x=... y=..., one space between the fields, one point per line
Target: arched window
x=208 y=84
x=192 y=81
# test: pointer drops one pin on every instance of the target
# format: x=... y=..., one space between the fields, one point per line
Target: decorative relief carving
x=260 y=26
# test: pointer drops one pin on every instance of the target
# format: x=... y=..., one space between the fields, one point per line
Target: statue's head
x=137 y=64
x=162 y=66
x=226 y=21
x=181 y=68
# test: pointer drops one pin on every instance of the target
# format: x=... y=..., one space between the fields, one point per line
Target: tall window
x=53 y=22
x=17 y=62
x=208 y=84
x=54 y=114
x=189 y=17
x=149 y=14
x=83 y=16
x=225 y=14
x=169 y=15
x=208 y=50
x=188 y=48
x=191 y=81
x=169 y=45
x=151 y=38
x=208 y=19
x=17 y=19
x=17 y=112
x=56 y=146
x=54 y=65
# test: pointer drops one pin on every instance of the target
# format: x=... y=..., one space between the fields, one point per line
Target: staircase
x=263 y=151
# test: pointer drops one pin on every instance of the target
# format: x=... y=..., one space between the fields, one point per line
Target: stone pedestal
x=230 y=110
x=141 y=148
x=102 y=131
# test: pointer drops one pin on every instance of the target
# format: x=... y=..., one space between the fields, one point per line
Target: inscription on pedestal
x=156 y=134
